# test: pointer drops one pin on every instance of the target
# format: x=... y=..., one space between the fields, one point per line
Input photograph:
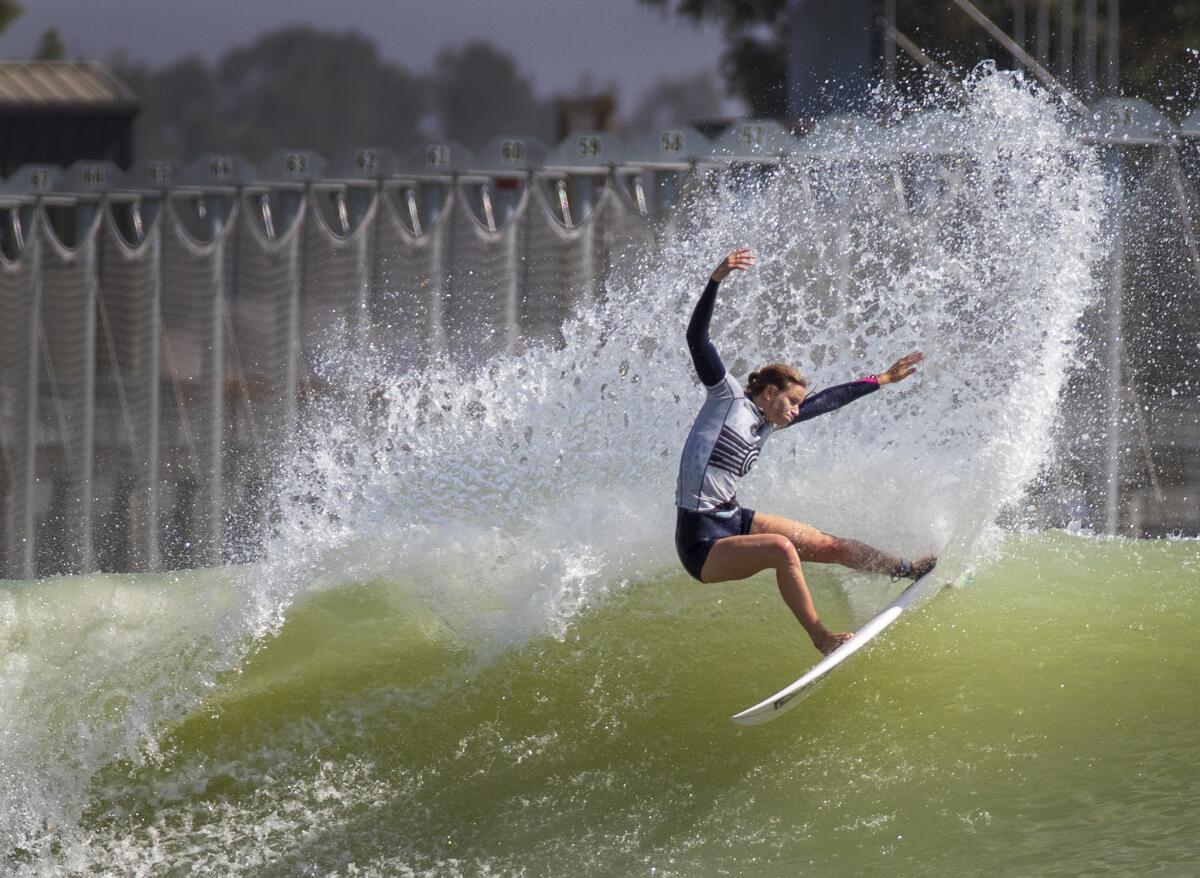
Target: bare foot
x=829 y=641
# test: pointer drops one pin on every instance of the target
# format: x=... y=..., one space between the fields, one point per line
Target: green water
x=1040 y=721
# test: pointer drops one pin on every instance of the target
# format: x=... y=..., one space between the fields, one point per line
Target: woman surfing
x=719 y=540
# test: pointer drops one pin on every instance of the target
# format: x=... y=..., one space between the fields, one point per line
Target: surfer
x=718 y=539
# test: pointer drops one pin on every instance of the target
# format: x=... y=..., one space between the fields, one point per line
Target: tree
x=180 y=113
x=50 y=47
x=755 y=59
x=674 y=101
x=480 y=93
x=10 y=11
x=301 y=87
x=292 y=88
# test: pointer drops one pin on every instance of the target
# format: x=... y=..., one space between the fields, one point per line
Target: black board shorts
x=695 y=533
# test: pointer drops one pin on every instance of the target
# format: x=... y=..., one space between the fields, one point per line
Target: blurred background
x=251 y=78
x=255 y=78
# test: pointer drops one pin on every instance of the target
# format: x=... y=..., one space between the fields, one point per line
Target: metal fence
x=161 y=331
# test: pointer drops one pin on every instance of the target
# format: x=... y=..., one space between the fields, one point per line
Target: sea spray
x=505 y=500
x=490 y=480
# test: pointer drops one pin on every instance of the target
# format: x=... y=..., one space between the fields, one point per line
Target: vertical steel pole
x=1066 y=41
x=587 y=250
x=211 y=553
x=152 y=558
x=1088 y=50
x=373 y=277
x=512 y=286
x=28 y=522
x=1116 y=292
x=88 y=425
x=362 y=303
x=437 y=277
x=360 y=322
x=1114 y=46
x=1043 y=33
x=889 y=47
x=297 y=261
x=1019 y=27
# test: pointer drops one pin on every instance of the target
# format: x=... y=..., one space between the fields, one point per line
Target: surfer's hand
x=901 y=369
x=739 y=260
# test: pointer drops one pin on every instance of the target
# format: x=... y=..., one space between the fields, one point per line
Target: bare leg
x=739 y=557
x=814 y=545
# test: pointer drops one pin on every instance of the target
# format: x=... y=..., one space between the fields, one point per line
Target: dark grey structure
x=831 y=57
x=61 y=112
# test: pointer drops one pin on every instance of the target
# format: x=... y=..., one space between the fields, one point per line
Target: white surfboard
x=790 y=696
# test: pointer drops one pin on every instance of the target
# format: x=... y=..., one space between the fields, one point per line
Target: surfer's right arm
x=704 y=355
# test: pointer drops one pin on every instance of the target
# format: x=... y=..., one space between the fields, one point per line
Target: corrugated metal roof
x=53 y=84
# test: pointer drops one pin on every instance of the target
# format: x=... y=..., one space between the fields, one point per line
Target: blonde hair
x=778 y=375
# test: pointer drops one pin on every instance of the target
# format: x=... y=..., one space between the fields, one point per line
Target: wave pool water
x=469 y=648
x=1040 y=720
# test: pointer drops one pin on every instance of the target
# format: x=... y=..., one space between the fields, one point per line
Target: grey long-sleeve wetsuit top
x=730 y=430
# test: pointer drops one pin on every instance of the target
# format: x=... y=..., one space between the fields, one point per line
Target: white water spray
x=512 y=497
x=540 y=481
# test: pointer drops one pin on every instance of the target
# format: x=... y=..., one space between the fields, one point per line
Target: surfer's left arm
x=833 y=398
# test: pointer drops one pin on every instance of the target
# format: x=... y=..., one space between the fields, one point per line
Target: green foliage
x=180 y=115
x=480 y=93
x=755 y=60
x=10 y=11
x=304 y=88
x=300 y=87
x=292 y=88
x=50 y=47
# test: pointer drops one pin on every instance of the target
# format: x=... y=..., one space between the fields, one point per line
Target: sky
x=557 y=42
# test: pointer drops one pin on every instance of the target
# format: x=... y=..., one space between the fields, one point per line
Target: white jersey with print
x=723 y=446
